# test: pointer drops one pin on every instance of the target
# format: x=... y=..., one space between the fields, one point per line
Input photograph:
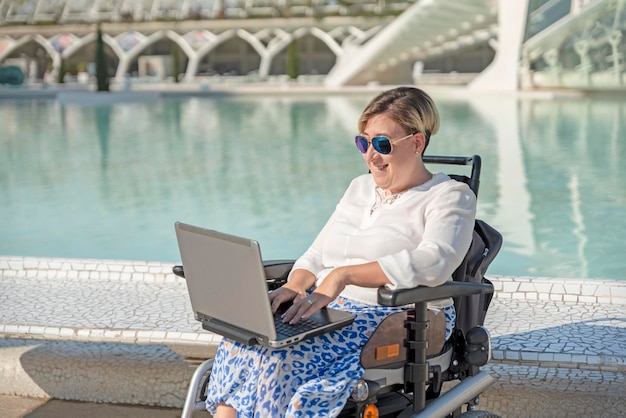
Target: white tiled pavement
x=123 y=331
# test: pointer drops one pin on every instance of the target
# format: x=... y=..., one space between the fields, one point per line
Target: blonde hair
x=409 y=107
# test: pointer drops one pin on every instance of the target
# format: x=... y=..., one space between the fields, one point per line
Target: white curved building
x=511 y=44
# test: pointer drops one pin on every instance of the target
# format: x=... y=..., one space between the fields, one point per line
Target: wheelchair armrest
x=178 y=270
x=276 y=272
x=274 y=269
x=277 y=268
x=422 y=294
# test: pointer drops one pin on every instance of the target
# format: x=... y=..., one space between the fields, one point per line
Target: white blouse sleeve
x=448 y=230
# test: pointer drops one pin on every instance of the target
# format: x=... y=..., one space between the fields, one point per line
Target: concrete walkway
x=123 y=332
x=21 y=407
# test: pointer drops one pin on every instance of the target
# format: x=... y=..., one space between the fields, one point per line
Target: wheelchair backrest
x=471 y=310
x=486 y=244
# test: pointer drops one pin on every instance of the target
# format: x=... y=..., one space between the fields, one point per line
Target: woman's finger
x=314 y=303
x=305 y=307
x=294 y=313
x=280 y=296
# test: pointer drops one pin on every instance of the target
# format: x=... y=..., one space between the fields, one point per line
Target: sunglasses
x=381 y=144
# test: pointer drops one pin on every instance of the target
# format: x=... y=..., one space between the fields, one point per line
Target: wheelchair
x=410 y=371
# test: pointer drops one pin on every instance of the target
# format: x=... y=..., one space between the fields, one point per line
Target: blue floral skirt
x=311 y=378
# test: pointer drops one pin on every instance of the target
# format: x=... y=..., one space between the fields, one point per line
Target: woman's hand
x=364 y=275
x=294 y=290
x=326 y=292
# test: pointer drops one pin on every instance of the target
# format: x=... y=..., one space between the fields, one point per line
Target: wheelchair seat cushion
x=386 y=346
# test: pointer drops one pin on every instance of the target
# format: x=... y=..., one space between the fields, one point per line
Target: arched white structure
x=43 y=42
x=427 y=29
x=580 y=46
x=503 y=73
x=127 y=58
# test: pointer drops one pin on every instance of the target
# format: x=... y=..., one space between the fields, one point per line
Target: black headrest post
x=475 y=176
x=473 y=181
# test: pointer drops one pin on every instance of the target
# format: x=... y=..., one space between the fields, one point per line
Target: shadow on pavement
x=19 y=407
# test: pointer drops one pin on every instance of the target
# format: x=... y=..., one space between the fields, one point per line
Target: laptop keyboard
x=287 y=329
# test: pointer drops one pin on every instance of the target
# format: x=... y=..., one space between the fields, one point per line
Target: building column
x=503 y=72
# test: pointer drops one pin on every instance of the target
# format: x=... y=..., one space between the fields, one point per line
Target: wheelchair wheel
x=478 y=414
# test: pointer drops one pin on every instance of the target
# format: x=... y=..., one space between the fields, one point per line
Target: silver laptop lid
x=225 y=278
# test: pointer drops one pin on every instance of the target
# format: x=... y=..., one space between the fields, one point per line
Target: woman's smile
x=396 y=171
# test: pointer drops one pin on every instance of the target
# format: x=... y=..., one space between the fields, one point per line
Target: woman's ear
x=419 y=141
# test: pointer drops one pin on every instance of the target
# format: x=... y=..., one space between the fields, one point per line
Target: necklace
x=383 y=199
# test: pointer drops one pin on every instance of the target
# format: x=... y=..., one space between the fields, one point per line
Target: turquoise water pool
x=87 y=181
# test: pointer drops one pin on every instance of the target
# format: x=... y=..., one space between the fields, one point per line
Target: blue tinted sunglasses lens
x=361 y=143
x=381 y=144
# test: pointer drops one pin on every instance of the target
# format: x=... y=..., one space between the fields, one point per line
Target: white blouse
x=418 y=239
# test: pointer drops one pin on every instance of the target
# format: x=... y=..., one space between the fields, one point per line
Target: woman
x=398 y=226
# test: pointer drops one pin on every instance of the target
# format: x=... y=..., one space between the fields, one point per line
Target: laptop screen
x=225 y=278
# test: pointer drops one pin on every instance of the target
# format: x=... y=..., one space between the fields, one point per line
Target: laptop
x=228 y=292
